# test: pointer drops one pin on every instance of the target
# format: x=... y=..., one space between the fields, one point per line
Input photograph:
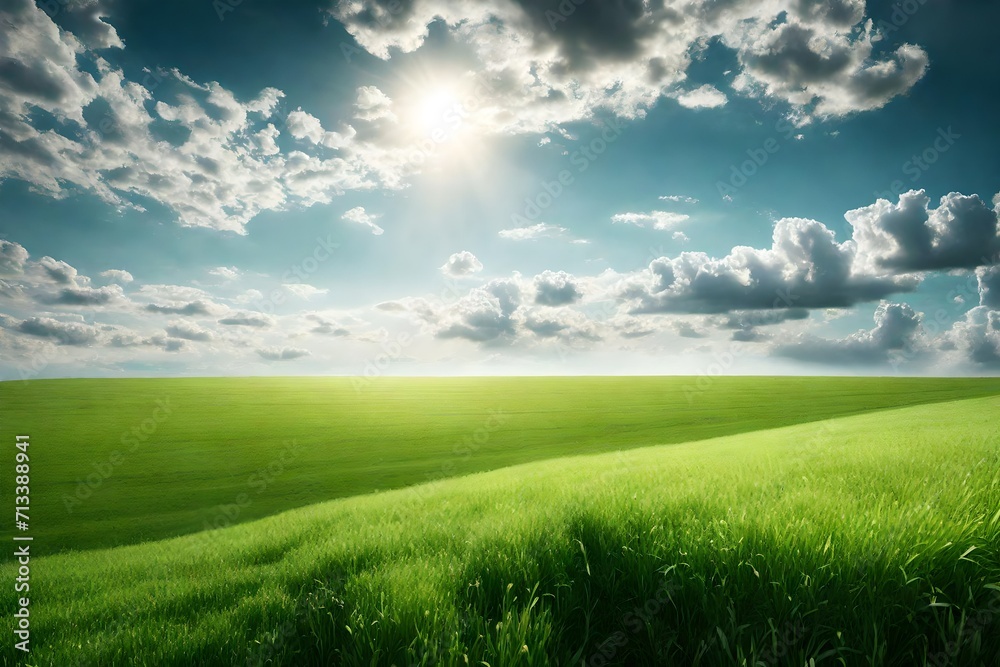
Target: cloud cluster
x=910 y=235
x=896 y=328
x=531 y=232
x=805 y=267
x=551 y=62
x=661 y=220
x=976 y=337
x=213 y=159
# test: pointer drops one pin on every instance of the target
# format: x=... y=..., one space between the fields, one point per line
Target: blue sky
x=433 y=187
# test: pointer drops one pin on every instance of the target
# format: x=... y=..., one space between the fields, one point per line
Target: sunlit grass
x=864 y=540
x=224 y=438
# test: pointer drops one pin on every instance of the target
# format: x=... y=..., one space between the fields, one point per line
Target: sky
x=446 y=187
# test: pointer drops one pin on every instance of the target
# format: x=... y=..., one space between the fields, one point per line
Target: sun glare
x=440 y=109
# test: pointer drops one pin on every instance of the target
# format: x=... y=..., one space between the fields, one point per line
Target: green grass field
x=222 y=454
x=822 y=525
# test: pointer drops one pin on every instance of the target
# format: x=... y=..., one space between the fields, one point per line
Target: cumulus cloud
x=989 y=286
x=682 y=199
x=977 y=337
x=83 y=296
x=327 y=327
x=304 y=290
x=191 y=309
x=536 y=231
x=703 y=97
x=461 y=264
x=805 y=267
x=910 y=235
x=542 y=66
x=226 y=272
x=483 y=315
x=824 y=68
x=59 y=272
x=282 y=353
x=117 y=276
x=662 y=220
x=372 y=105
x=62 y=333
x=303 y=125
x=220 y=171
x=259 y=320
x=896 y=329
x=556 y=288
x=564 y=323
x=189 y=331
x=227 y=166
x=13 y=257
x=359 y=216
x=745 y=323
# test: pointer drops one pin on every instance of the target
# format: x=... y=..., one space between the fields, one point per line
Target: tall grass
x=866 y=540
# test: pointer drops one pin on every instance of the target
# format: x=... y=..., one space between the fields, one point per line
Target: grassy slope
x=849 y=539
x=225 y=437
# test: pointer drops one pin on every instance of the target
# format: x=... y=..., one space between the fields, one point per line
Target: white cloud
x=910 y=235
x=226 y=272
x=661 y=220
x=117 y=276
x=282 y=353
x=462 y=263
x=304 y=290
x=359 y=216
x=536 y=231
x=303 y=125
x=703 y=97
x=541 y=68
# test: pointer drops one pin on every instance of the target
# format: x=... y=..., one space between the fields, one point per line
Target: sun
x=439 y=112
